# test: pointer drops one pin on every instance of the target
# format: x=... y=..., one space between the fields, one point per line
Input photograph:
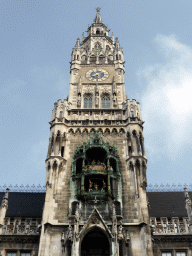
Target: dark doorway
x=95 y=243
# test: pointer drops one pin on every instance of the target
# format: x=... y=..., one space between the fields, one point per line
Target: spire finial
x=117 y=43
x=77 y=43
x=98 y=16
x=98 y=9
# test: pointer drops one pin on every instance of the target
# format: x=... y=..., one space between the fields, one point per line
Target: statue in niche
x=79 y=100
x=93 y=162
x=104 y=186
x=90 y=185
x=97 y=99
x=96 y=186
x=115 y=100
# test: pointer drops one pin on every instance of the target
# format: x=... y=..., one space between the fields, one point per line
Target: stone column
x=139 y=145
x=108 y=181
x=142 y=146
x=50 y=176
x=127 y=148
x=54 y=144
x=97 y=59
x=132 y=145
x=82 y=182
x=49 y=148
x=106 y=61
x=135 y=176
x=60 y=142
x=3 y=209
x=75 y=247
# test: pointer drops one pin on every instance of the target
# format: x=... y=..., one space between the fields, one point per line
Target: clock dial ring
x=97 y=75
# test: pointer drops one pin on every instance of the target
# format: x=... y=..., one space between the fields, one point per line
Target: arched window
x=101 y=57
x=92 y=58
x=84 y=57
x=88 y=100
x=98 y=32
x=105 y=101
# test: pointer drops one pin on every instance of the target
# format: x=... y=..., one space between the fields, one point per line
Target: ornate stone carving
x=97 y=99
x=77 y=214
x=120 y=232
x=126 y=238
x=79 y=100
x=4 y=202
x=95 y=220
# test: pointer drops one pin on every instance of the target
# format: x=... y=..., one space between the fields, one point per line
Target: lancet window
x=88 y=100
x=105 y=101
x=93 y=58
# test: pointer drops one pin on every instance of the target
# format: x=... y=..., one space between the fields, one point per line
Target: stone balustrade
x=163 y=225
x=21 y=226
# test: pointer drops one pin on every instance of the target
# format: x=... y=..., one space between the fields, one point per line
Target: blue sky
x=37 y=38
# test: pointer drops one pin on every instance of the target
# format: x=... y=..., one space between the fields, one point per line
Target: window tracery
x=105 y=100
x=88 y=100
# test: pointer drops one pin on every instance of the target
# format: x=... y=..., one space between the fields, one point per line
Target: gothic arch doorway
x=95 y=243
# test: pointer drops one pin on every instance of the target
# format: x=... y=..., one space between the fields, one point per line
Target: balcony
x=167 y=226
x=21 y=226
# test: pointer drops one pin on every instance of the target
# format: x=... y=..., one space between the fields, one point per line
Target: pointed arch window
x=105 y=101
x=88 y=100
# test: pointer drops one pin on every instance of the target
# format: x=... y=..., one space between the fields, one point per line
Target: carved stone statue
x=115 y=100
x=97 y=100
x=79 y=100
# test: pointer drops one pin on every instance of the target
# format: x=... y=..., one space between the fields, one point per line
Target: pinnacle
x=98 y=16
x=77 y=43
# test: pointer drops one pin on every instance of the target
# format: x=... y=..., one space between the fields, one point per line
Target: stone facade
x=96 y=109
x=96 y=169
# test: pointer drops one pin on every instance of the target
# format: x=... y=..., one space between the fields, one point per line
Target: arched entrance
x=95 y=243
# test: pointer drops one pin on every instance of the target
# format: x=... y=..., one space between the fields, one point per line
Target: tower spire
x=98 y=16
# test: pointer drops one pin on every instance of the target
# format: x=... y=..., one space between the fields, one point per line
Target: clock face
x=97 y=75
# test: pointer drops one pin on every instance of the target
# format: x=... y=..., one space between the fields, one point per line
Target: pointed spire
x=112 y=37
x=98 y=16
x=4 y=202
x=188 y=202
x=82 y=37
x=77 y=43
x=117 y=46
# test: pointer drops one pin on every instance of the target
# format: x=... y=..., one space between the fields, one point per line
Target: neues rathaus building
x=96 y=202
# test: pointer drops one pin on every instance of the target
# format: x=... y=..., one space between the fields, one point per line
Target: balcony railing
x=21 y=226
x=164 y=225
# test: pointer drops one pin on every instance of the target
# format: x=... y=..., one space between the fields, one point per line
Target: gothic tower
x=96 y=165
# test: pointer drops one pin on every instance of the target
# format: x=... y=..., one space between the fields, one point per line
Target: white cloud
x=167 y=103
